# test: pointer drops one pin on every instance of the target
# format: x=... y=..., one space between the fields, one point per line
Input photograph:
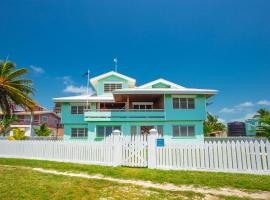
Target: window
x=78 y=109
x=183 y=103
x=79 y=132
x=109 y=87
x=142 y=105
x=27 y=118
x=160 y=130
x=183 y=131
x=44 y=119
x=103 y=131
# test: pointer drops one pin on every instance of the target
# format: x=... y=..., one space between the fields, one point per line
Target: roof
x=84 y=98
x=34 y=113
x=131 y=81
x=161 y=80
x=207 y=92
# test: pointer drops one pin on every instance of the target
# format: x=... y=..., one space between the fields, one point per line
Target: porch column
x=117 y=147
x=152 y=157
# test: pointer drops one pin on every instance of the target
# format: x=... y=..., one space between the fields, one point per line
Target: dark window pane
x=74 y=132
x=160 y=130
x=183 y=130
x=100 y=131
x=148 y=106
x=191 y=103
x=176 y=103
x=80 y=109
x=136 y=106
x=191 y=131
x=175 y=131
x=73 y=109
x=183 y=103
x=108 y=130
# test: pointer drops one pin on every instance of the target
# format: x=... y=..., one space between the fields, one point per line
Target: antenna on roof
x=87 y=74
x=115 y=64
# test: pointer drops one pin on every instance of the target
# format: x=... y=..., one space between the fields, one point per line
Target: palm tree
x=211 y=124
x=263 y=129
x=14 y=88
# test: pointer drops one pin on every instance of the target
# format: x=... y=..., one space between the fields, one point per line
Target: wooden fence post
x=152 y=157
x=117 y=144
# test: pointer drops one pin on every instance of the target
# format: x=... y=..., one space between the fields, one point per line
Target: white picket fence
x=116 y=150
x=247 y=157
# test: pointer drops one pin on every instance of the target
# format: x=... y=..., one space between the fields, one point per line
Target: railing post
x=152 y=160
x=117 y=144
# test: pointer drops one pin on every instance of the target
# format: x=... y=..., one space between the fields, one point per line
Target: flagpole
x=87 y=90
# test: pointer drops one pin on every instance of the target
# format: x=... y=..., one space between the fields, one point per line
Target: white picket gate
x=135 y=151
x=116 y=150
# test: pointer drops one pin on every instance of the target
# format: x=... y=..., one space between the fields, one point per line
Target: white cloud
x=242 y=119
x=227 y=110
x=66 y=80
x=37 y=70
x=75 y=90
x=222 y=120
x=245 y=105
x=263 y=103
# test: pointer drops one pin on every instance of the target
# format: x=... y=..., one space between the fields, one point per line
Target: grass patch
x=18 y=183
x=208 y=179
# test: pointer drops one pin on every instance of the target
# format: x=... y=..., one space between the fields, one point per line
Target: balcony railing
x=124 y=110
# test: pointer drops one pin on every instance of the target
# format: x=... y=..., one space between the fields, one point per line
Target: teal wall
x=171 y=117
x=112 y=78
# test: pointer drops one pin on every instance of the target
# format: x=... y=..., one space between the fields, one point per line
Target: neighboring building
x=236 y=129
x=175 y=111
x=27 y=121
x=251 y=125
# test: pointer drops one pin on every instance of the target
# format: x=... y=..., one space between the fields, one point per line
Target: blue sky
x=223 y=45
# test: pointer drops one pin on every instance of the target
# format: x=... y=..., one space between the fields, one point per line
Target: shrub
x=19 y=134
x=43 y=130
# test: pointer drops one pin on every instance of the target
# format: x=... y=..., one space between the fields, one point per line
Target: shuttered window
x=79 y=132
x=109 y=87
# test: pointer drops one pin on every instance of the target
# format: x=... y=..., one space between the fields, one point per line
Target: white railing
x=123 y=110
x=138 y=151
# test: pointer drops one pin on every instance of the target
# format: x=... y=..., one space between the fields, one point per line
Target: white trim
x=142 y=103
x=183 y=96
x=161 y=80
x=130 y=80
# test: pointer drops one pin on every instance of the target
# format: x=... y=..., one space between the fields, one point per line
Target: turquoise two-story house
x=175 y=111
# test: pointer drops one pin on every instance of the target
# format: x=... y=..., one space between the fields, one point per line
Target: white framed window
x=44 y=119
x=183 y=103
x=184 y=131
x=78 y=109
x=27 y=118
x=103 y=131
x=79 y=132
x=109 y=87
x=142 y=105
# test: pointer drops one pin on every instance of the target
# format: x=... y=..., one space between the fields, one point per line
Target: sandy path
x=171 y=187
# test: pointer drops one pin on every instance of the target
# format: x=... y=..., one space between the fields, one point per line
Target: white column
x=152 y=161
x=117 y=144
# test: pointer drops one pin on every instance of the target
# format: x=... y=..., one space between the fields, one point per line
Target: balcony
x=124 y=115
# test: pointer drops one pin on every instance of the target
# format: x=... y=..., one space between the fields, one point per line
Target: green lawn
x=18 y=183
x=208 y=179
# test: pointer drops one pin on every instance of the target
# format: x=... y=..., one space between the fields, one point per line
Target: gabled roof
x=84 y=98
x=131 y=81
x=161 y=80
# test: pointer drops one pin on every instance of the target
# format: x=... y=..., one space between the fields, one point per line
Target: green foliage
x=263 y=129
x=14 y=88
x=211 y=124
x=19 y=134
x=43 y=130
x=5 y=124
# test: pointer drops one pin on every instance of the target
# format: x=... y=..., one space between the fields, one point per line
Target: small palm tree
x=211 y=124
x=263 y=129
x=5 y=124
x=43 y=130
x=14 y=88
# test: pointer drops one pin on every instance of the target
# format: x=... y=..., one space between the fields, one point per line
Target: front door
x=145 y=130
